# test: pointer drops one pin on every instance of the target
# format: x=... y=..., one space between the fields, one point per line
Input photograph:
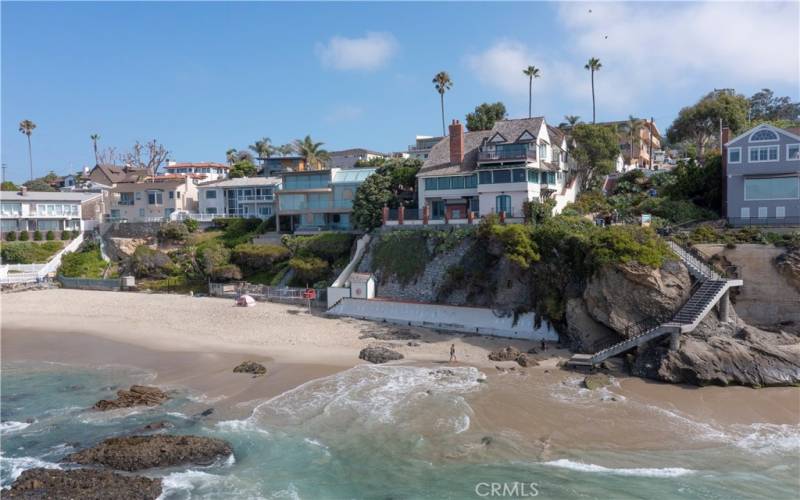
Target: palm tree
x=230 y=156
x=593 y=65
x=94 y=138
x=631 y=127
x=312 y=151
x=263 y=148
x=443 y=83
x=285 y=150
x=531 y=72
x=26 y=127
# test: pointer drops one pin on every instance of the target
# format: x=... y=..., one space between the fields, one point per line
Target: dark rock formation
x=596 y=381
x=393 y=335
x=86 y=484
x=506 y=354
x=379 y=355
x=251 y=367
x=145 y=452
x=156 y=426
x=526 y=361
x=138 y=395
x=788 y=264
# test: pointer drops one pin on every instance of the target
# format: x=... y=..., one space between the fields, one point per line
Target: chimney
x=456 y=142
x=23 y=190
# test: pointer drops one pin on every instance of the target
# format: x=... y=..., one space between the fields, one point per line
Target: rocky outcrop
x=508 y=353
x=251 y=367
x=146 y=452
x=122 y=248
x=596 y=381
x=788 y=264
x=379 y=355
x=625 y=294
x=86 y=484
x=138 y=395
x=724 y=354
x=584 y=333
x=392 y=334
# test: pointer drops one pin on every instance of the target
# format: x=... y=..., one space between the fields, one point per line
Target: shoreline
x=544 y=407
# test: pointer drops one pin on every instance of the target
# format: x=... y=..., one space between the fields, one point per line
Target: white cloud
x=647 y=49
x=344 y=113
x=368 y=53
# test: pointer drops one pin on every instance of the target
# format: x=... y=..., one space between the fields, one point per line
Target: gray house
x=761 y=170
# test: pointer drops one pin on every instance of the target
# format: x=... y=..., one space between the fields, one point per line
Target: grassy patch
x=402 y=255
x=29 y=252
x=85 y=263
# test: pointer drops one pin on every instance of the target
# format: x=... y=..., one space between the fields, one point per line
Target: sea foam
x=640 y=472
x=17 y=465
x=11 y=426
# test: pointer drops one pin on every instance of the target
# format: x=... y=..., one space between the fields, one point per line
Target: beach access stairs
x=712 y=288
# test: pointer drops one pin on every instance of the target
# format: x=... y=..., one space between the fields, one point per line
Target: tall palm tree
x=531 y=72
x=263 y=148
x=631 y=127
x=230 y=155
x=312 y=151
x=26 y=127
x=95 y=138
x=443 y=83
x=572 y=120
x=593 y=65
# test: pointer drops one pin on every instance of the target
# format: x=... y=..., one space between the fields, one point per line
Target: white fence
x=454 y=318
x=19 y=273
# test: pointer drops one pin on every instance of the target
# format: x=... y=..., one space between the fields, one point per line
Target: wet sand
x=196 y=342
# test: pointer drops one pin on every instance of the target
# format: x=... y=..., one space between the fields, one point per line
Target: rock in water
x=251 y=367
x=379 y=355
x=596 y=381
x=507 y=354
x=145 y=452
x=138 y=395
x=86 y=484
x=525 y=360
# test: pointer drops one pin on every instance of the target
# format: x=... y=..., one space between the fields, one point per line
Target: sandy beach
x=195 y=342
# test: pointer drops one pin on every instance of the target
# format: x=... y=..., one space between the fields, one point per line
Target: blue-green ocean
x=371 y=432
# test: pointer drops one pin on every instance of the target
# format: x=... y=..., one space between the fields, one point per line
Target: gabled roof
x=792 y=132
x=438 y=162
x=557 y=136
x=512 y=129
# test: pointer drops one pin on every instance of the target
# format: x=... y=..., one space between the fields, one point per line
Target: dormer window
x=763 y=135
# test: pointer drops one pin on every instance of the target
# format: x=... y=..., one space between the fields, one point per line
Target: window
x=763 y=153
x=264 y=211
x=485 y=177
x=501 y=176
x=211 y=194
x=457 y=182
x=763 y=135
x=430 y=184
x=744 y=212
x=141 y=212
x=735 y=155
x=115 y=214
x=471 y=181
x=126 y=198
x=503 y=203
x=12 y=208
x=155 y=197
x=178 y=194
x=437 y=209
x=543 y=152
x=9 y=225
x=443 y=183
x=48 y=225
x=762 y=212
x=533 y=176
x=211 y=210
x=519 y=175
x=772 y=188
x=793 y=152
x=780 y=212
x=171 y=195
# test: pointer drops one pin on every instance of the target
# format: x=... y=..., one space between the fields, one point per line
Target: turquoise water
x=371 y=432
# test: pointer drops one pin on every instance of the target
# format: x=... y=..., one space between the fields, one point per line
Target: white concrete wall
x=454 y=318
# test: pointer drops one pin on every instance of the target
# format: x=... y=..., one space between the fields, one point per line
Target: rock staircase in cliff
x=712 y=288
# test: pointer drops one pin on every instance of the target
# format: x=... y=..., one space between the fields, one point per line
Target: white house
x=57 y=211
x=243 y=197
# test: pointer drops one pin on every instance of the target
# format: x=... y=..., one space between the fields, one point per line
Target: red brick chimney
x=456 y=142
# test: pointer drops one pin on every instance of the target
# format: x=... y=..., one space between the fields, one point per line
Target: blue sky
x=204 y=77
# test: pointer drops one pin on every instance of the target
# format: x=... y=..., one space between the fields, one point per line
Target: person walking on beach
x=453 y=353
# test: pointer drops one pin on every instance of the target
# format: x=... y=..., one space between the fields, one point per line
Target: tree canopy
x=9 y=186
x=764 y=106
x=393 y=184
x=595 y=151
x=243 y=168
x=700 y=122
x=485 y=115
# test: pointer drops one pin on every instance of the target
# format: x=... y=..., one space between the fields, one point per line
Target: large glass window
x=764 y=135
x=457 y=182
x=308 y=181
x=443 y=183
x=775 y=188
x=735 y=155
x=533 y=176
x=519 y=175
x=126 y=198
x=503 y=203
x=211 y=194
x=501 y=176
x=430 y=184
x=485 y=177
x=292 y=201
x=155 y=197
x=471 y=181
x=12 y=208
x=793 y=152
x=764 y=153
x=48 y=225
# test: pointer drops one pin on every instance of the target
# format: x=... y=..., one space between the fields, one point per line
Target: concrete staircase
x=713 y=289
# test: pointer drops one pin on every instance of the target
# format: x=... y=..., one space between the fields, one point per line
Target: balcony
x=507 y=155
x=261 y=197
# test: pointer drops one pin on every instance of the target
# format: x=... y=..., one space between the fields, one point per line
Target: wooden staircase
x=713 y=288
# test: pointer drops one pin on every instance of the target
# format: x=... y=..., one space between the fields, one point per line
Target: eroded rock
x=251 y=367
x=86 y=484
x=596 y=381
x=137 y=395
x=379 y=355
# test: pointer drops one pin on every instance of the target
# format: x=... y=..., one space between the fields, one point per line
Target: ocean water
x=375 y=432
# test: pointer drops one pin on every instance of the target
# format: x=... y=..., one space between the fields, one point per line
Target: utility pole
x=720 y=135
x=652 y=124
x=4 y=172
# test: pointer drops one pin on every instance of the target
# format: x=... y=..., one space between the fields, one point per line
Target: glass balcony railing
x=508 y=154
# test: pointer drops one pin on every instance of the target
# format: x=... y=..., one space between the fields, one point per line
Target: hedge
x=258 y=257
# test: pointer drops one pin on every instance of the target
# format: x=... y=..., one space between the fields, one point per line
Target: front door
x=503 y=204
x=437 y=209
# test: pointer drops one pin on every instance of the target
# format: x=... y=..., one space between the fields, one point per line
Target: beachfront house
x=422 y=146
x=276 y=165
x=240 y=197
x=497 y=170
x=318 y=200
x=761 y=174
x=349 y=157
x=155 y=199
x=207 y=171
x=58 y=211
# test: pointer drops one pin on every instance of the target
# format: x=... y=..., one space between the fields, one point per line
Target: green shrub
x=65 y=235
x=258 y=257
x=37 y=235
x=29 y=252
x=49 y=236
x=675 y=211
x=238 y=231
x=590 y=202
x=148 y=263
x=173 y=231
x=329 y=246
x=308 y=270
x=626 y=244
x=12 y=236
x=515 y=240
x=23 y=236
x=191 y=225
x=226 y=272
x=85 y=263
